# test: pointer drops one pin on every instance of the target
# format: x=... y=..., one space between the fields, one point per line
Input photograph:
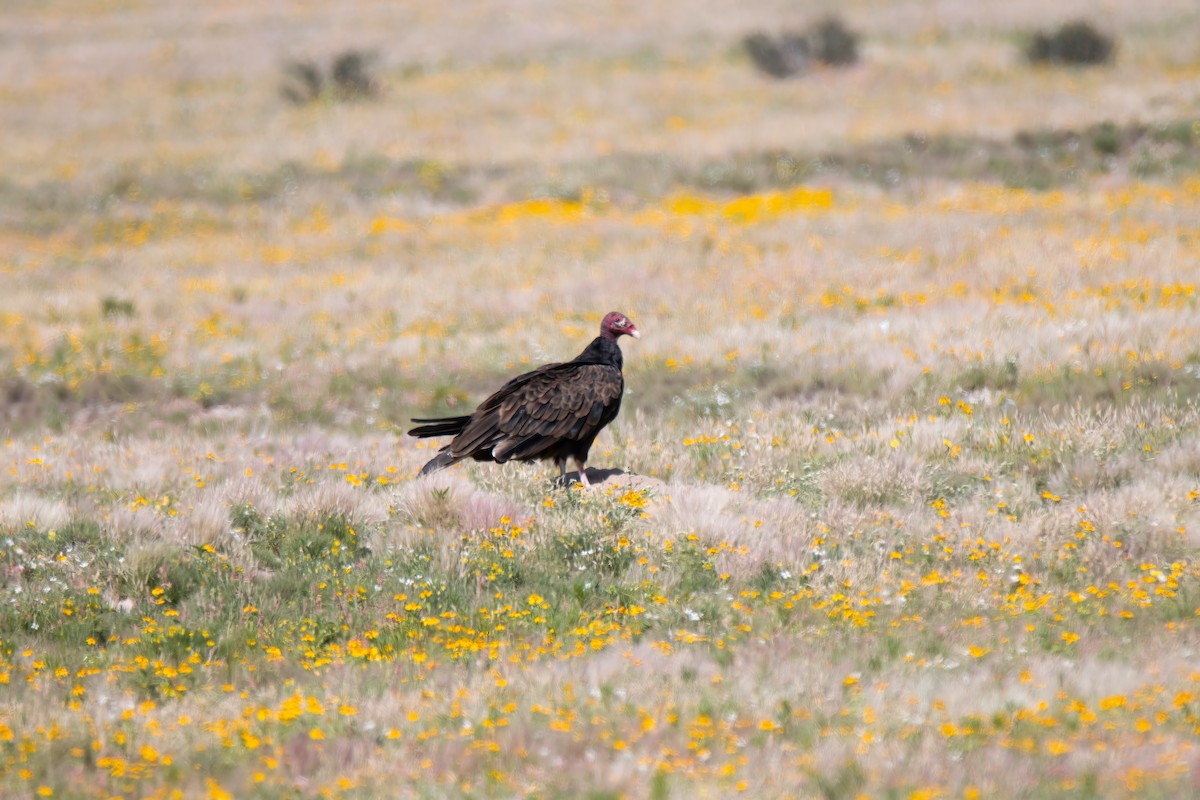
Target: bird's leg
x=582 y=473
x=562 y=470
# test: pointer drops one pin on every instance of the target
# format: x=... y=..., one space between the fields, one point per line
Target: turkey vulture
x=553 y=412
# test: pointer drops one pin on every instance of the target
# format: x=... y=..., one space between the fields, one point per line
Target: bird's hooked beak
x=634 y=332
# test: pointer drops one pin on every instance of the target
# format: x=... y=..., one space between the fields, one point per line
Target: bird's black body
x=553 y=412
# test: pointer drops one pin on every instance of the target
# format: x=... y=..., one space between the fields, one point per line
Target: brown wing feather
x=532 y=414
x=543 y=412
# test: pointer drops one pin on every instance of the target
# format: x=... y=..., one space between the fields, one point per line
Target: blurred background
x=202 y=201
x=92 y=88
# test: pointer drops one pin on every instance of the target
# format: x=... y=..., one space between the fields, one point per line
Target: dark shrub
x=302 y=82
x=833 y=43
x=352 y=77
x=780 y=57
x=349 y=78
x=1073 y=43
x=828 y=42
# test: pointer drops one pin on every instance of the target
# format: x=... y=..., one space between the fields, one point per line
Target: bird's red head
x=616 y=325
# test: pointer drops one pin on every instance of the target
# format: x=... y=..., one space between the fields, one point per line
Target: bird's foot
x=583 y=478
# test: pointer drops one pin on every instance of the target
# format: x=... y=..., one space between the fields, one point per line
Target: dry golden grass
x=907 y=500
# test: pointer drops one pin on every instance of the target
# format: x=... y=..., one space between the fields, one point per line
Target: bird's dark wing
x=443 y=426
x=537 y=412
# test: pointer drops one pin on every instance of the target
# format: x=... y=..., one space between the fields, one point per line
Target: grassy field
x=906 y=489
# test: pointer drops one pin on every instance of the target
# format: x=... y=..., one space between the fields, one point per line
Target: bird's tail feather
x=444 y=426
x=440 y=461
